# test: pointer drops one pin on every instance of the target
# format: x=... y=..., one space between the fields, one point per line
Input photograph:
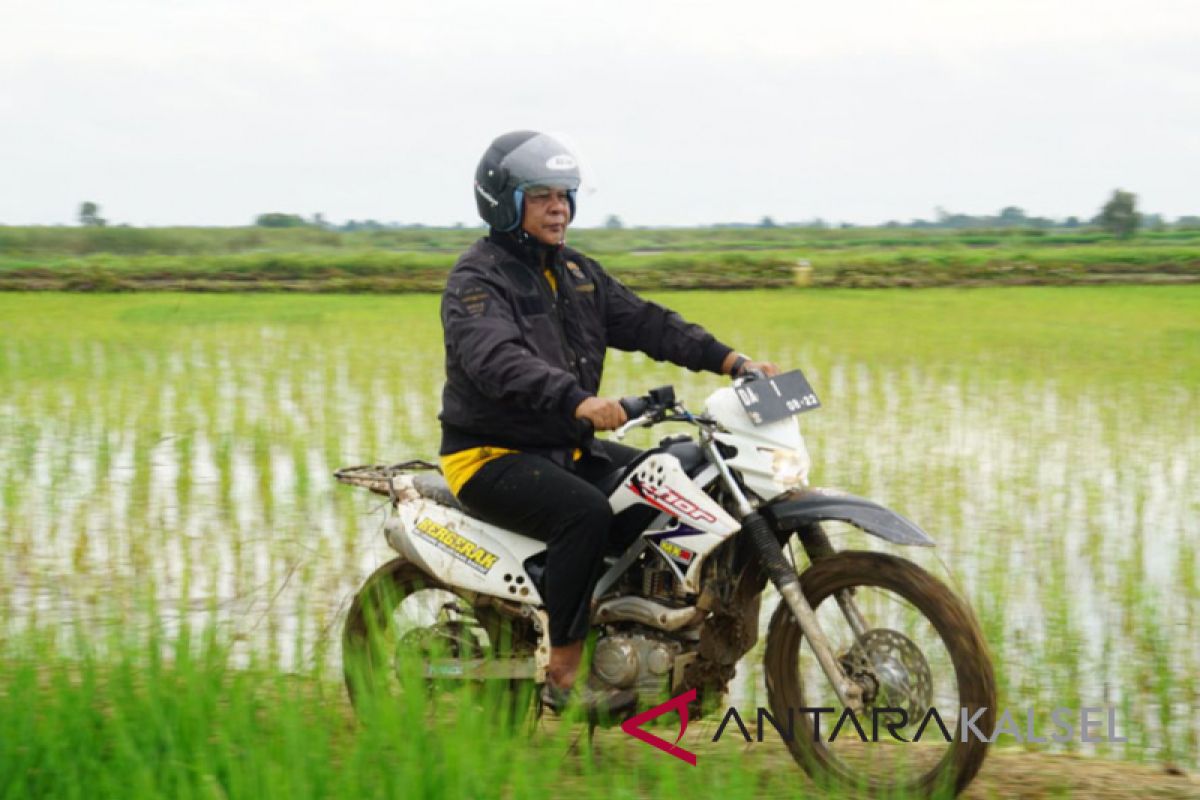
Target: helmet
x=514 y=162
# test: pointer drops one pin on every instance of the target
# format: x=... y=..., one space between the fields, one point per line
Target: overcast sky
x=209 y=113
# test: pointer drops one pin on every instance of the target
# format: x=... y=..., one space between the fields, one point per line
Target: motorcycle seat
x=434 y=486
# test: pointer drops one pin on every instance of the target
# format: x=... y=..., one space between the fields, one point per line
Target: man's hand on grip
x=605 y=413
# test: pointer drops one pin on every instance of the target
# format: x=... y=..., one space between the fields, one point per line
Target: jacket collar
x=526 y=248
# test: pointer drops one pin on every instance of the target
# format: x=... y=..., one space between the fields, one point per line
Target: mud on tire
x=953 y=623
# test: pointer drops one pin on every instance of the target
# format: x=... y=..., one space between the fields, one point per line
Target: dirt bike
x=701 y=524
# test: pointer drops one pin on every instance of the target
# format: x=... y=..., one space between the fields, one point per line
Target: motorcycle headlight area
x=789 y=468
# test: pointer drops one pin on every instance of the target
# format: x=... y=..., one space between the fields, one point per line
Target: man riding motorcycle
x=527 y=321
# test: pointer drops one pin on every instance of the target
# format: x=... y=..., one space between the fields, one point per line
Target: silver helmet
x=514 y=162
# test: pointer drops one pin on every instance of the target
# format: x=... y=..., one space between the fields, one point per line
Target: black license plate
x=769 y=400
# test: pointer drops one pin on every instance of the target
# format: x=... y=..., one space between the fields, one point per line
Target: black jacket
x=521 y=357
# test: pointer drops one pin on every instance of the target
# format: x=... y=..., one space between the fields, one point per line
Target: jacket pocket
x=531 y=304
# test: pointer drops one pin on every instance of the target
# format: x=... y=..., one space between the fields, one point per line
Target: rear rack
x=378 y=477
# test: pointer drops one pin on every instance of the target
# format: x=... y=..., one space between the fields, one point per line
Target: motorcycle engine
x=636 y=657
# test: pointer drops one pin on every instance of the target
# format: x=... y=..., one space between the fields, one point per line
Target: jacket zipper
x=559 y=325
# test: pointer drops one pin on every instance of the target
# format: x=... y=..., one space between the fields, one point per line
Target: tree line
x=1119 y=216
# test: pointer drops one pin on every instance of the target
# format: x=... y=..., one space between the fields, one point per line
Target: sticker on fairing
x=664 y=498
x=680 y=554
x=460 y=547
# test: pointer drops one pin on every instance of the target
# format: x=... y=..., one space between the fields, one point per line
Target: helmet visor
x=542 y=161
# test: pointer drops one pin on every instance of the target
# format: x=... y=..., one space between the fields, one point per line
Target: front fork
x=849 y=692
x=816 y=545
x=787 y=582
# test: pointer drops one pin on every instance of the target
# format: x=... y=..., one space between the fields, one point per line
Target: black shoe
x=605 y=703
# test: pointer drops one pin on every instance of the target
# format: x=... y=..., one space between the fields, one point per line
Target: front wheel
x=918 y=654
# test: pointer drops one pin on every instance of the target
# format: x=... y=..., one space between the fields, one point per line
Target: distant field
x=416 y=260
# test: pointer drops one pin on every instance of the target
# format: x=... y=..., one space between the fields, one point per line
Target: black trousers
x=533 y=496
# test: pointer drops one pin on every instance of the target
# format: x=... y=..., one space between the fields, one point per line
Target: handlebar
x=659 y=405
x=648 y=410
x=634 y=406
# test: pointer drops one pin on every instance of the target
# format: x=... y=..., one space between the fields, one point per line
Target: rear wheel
x=918 y=655
x=408 y=632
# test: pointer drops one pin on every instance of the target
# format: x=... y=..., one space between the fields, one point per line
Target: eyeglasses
x=543 y=195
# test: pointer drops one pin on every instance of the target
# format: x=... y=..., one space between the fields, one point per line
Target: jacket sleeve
x=636 y=324
x=484 y=337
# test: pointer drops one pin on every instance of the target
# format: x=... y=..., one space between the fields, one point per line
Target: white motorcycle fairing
x=472 y=554
x=696 y=524
x=459 y=549
x=771 y=458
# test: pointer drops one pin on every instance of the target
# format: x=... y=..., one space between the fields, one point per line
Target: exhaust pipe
x=647 y=612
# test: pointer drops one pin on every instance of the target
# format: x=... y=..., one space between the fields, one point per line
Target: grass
x=165 y=467
x=170 y=716
x=152 y=715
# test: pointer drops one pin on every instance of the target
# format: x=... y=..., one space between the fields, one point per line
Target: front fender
x=796 y=509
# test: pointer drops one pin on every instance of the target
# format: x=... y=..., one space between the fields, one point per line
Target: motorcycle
x=701 y=524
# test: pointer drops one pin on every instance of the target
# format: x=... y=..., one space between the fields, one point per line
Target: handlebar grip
x=634 y=406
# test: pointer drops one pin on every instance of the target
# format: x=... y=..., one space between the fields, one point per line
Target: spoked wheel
x=919 y=657
x=408 y=632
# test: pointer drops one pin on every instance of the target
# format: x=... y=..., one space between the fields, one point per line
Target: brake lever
x=639 y=422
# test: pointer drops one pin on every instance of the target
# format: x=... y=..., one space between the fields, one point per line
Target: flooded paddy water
x=170 y=456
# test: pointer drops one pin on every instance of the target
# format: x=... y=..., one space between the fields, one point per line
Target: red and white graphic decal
x=667 y=499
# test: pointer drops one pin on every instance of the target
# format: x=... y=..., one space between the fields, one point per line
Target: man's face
x=547 y=214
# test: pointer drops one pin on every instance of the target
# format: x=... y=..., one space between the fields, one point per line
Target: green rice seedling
x=178 y=447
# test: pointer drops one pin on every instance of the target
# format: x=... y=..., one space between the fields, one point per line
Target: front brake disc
x=892 y=670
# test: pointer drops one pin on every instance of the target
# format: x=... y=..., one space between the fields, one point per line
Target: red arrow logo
x=633 y=726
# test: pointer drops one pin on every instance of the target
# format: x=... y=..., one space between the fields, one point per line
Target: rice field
x=166 y=460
